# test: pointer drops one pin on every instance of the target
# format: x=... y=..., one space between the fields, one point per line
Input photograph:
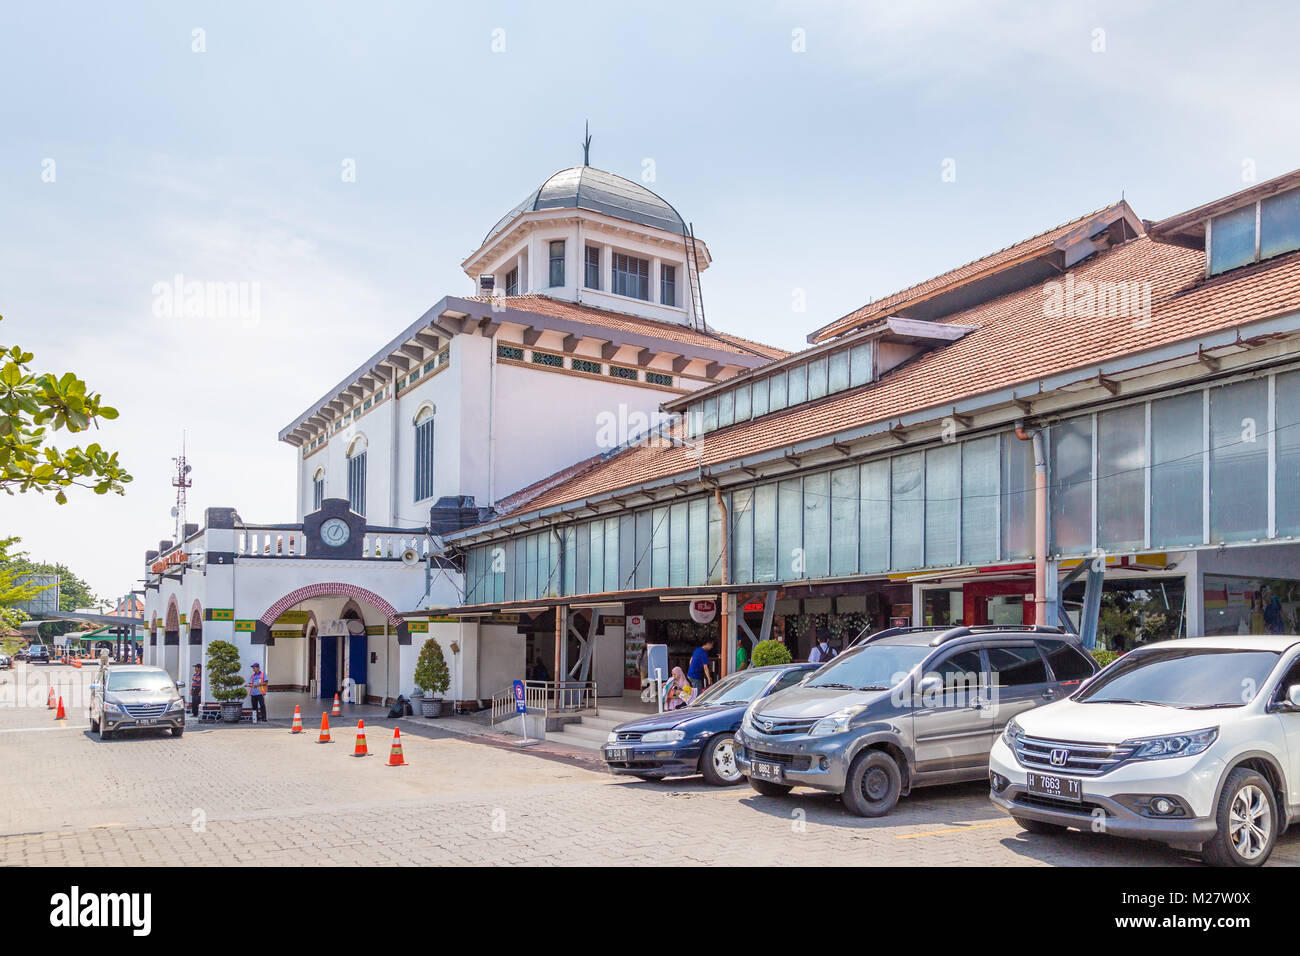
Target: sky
x=342 y=159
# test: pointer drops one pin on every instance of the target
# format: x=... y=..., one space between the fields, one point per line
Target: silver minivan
x=908 y=707
x=135 y=697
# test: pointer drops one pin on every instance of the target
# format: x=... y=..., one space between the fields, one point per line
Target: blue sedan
x=700 y=737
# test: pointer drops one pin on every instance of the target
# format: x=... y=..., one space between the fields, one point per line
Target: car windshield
x=1193 y=679
x=152 y=680
x=871 y=667
x=737 y=689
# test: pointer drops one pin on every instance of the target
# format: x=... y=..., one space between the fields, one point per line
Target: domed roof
x=584 y=187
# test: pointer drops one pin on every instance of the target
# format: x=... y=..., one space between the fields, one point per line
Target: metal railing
x=547 y=698
x=289 y=541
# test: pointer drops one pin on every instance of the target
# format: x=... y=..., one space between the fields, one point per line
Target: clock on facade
x=335 y=532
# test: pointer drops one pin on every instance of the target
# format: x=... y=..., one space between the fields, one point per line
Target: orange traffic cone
x=395 y=755
x=49 y=700
x=59 y=714
x=360 y=749
x=336 y=712
x=324 y=737
x=297 y=721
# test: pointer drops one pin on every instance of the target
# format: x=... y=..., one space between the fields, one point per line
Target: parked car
x=906 y=708
x=38 y=654
x=135 y=697
x=700 y=737
x=1192 y=742
x=6 y=662
x=20 y=654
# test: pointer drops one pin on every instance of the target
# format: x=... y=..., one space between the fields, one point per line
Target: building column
x=727 y=624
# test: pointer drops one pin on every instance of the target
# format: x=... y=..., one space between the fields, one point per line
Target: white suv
x=1193 y=742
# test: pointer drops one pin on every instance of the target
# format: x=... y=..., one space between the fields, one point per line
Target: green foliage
x=34 y=405
x=223 y=671
x=431 y=673
x=14 y=588
x=770 y=652
x=1103 y=656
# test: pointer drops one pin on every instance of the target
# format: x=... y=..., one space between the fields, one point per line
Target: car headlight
x=612 y=738
x=836 y=723
x=177 y=704
x=1012 y=732
x=747 y=722
x=111 y=707
x=663 y=736
x=1173 y=745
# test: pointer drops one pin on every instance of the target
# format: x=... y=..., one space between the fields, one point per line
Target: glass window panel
x=1071 y=489
x=1232 y=239
x=1279 y=224
x=659 y=557
x=789 y=530
x=530 y=569
x=711 y=413
x=817 y=378
x=1121 y=478
x=611 y=554
x=942 y=505
x=765 y=533
x=644 y=557
x=907 y=507
x=715 y=541
x=677 y=545
x=570 y=569
x=839 y=371
x=1288 y=453
x=860 y=364
x=742 y=536
x=726 y=408
x=697 y=560
x=521 y=569
x=626 y=551
x=1017 y=497
x=979 y=500
x=873 y=516
x=778 y=391
x=760 y=397
x=798 y=391
x=1177 y=458
x=743 y=406
x=844 y=521
x=596 y=555
x=817 y=525
x=1239 y=461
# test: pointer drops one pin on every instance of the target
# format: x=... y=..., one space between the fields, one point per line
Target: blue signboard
x=520 y=706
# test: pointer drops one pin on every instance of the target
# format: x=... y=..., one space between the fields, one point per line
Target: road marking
x=33 y=730
x=963 y=829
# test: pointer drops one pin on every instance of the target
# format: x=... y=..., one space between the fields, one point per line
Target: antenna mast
x=181 y=482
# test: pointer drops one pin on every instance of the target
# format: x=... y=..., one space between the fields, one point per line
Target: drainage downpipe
x=727 y=653
x=1040 y=518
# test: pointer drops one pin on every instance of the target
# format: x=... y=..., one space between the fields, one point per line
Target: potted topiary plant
x=770 y=652
x=223 y=677
x=432 y=677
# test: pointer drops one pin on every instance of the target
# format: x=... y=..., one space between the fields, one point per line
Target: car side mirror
x=806 y=677
x=94 y=688
x=930 y=685
x=180 y=685
x=1293 y=696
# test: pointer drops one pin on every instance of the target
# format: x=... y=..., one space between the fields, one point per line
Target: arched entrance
x=172 y=638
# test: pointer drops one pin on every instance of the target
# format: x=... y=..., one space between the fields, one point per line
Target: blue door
x=329 y=666
x=357 y=658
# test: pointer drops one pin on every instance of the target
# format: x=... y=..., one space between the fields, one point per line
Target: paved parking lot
x=260 y=795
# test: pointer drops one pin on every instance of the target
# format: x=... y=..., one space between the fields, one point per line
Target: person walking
x=257 y=686
x=822 y=650
x=698 y=672
x=196 y=689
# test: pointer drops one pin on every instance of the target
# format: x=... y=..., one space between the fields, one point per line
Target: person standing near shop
x=257 y=686
x=742 y=655
x=822 y=650
x=698 y=673
x=196 y=689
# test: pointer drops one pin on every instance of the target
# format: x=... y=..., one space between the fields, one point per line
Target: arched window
x=424 y=453
x=317 y=489
x=357 y=475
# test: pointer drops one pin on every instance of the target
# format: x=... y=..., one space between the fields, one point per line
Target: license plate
x=618 y=754
x=145 y=721
x=765 y=771
x=1059 y=788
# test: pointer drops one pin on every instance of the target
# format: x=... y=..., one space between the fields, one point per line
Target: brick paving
x=260 y=795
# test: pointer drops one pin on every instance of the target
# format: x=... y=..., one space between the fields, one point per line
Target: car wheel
x=874 y=784
x=177 y=731
x=1039 y=826
x=104 y=732
x=94 y=726
x=1247 y=820
x=718 y=764
x=769 y=789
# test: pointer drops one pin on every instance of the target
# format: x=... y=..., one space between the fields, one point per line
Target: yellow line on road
x=945 y=832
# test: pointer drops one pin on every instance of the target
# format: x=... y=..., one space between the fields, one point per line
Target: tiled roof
x=1015 y=341
x=1027 y=248
x=625 y=322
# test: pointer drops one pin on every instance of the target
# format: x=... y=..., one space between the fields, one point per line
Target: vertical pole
x=561 y=625
x=726 y=615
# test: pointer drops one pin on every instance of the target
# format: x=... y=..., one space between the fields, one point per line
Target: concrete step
x=587 y=732
x=574 y=740
x=621 y=716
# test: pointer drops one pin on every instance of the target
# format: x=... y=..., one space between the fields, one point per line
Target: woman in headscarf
x=677 y=691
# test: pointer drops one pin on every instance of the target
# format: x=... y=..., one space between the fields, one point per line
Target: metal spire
x=586 y=144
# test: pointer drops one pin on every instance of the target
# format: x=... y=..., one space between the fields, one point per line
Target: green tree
x=431 y=673
x=770 y=652
x=15 y=588
x=35 y=405
x=223 y=671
